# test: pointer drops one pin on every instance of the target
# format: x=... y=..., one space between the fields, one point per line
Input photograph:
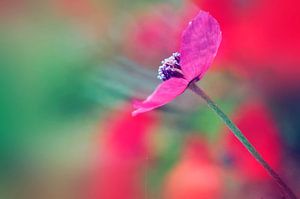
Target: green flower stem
x=240 y=136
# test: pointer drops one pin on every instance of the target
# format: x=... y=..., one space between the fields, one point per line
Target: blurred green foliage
x=43 y=76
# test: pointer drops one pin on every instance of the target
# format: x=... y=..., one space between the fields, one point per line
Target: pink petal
x=163 y=94
x=199 y=45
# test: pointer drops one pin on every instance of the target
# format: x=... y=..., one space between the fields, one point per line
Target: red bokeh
x=195 y=175
x=261 y=37
x=156 y=33
x=118 y=169
x=257 y=124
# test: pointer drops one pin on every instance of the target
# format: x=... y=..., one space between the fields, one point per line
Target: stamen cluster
x=170 y=67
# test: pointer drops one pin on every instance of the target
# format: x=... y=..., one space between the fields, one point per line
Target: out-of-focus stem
x=240 y=136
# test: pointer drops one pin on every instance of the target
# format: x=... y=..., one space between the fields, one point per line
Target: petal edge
x=164 y=93
x=199 y=45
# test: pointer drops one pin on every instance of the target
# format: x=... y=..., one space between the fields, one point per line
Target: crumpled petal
x=163 y=94
x=199 y=45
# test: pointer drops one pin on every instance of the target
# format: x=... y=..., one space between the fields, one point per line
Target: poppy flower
x=195 y=175
x=199 y=45
x=144 y=36
x=147 y=33
x=260 y=39
x=120 y=159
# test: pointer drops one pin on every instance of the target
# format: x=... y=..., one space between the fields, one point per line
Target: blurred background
x=69 y=70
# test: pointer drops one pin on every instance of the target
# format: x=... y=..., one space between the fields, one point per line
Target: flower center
x=170 y=68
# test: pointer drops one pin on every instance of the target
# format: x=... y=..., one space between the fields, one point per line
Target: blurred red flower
x=152 y=35
x=257 y=124
x=195 y=175
x=156 y=33
x=121 y=156
x=261 y=36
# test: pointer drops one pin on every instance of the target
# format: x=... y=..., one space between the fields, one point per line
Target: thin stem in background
x=240 y=136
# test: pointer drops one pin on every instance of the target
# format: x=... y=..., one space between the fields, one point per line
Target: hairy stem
x=240 y=136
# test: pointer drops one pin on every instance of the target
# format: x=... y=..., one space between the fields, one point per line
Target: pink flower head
x=199 y=45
